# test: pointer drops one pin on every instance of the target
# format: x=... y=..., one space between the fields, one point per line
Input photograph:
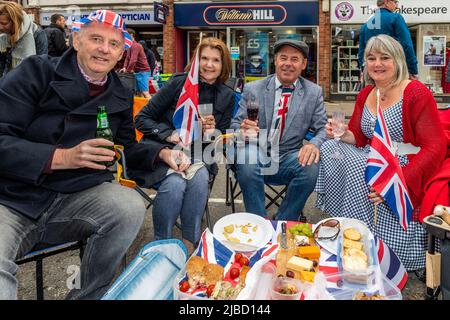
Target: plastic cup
x=285 y=288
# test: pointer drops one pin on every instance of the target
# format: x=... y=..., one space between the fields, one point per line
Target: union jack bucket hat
x=107 y=17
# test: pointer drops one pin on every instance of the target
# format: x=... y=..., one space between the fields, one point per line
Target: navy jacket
x=393 y=25
x=45 y=103
x=56 y=38
x=155 y=119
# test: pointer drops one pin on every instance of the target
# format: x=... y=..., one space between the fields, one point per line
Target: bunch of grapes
x=302 y=229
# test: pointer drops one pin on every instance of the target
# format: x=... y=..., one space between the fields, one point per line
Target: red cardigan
x=437 y=190
x=421 y=127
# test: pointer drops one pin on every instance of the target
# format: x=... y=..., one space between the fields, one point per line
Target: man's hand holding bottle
x=87 y=154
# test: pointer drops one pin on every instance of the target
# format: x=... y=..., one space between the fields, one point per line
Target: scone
x=352 y=234
x=353 y=244
x=212 y=273
x=195 y=266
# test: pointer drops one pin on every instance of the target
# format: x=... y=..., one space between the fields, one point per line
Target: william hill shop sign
x=303 y=13
x=245 y=14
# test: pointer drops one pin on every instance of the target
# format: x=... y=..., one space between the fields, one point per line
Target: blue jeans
x=108 y=215
x=142 y=79
x=300 y=181
x=178 y=197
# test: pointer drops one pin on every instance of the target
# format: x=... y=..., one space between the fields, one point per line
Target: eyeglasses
x=327 y=230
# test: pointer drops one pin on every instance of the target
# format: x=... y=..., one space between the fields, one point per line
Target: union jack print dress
x=342 y=191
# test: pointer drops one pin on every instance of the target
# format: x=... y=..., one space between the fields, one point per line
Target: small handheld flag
x=383 y=171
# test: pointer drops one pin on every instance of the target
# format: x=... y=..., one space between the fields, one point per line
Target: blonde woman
x=20 y=37
x=412 y=119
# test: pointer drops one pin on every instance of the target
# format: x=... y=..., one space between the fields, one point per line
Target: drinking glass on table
x=338 y=125
x=204 y=110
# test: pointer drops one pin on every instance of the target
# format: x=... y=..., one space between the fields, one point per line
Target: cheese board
x=300 y=258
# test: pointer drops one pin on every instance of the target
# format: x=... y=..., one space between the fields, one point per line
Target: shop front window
x=253 y=48
x=194 y=38
x=344 y=59
x=433 y=55
x=154 y=42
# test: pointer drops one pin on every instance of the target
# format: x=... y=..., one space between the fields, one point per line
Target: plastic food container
x=281 y=286
x=264 y=282
x=361 y=277
x=379 y=287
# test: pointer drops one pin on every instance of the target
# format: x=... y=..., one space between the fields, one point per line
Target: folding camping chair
x=40 y=252
x=437 y=281
x=273 y=193
x=128 y=80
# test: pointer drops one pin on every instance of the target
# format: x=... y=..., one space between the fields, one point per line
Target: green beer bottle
x=103 y=131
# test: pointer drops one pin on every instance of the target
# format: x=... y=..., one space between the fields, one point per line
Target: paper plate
x=243 y=231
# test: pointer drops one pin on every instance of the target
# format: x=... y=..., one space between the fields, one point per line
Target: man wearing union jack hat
x=53 y=188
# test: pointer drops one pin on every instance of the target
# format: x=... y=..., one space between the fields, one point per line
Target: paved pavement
x=57 y=268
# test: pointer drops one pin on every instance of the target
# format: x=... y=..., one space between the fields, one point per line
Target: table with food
x=248 y=257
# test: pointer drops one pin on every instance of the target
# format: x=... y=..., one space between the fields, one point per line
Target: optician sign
x=295 y=13
x=413 y=11
x=130 y=17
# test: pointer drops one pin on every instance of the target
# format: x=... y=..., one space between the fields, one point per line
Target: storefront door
x=194 y=38
x=255 y=50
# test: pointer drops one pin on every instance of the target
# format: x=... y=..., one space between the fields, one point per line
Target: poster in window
x=257 y=54
x=434 y=51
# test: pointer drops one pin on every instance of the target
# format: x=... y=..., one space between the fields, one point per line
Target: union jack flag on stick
x=186 y=118
x=383 y=171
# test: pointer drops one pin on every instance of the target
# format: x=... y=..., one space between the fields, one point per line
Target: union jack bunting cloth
x=185 y=118
x=384 y=174
x=107 y=17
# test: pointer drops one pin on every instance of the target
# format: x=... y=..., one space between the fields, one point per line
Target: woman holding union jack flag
x=393 y=145
x=202 y=84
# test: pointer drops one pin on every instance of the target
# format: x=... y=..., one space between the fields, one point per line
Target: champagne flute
x=204 y=110
x=338 y=125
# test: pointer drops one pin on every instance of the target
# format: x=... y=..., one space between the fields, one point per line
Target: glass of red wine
x=252 y=113
x=252 y=109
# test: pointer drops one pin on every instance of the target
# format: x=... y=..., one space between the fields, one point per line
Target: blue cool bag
x=150 y=275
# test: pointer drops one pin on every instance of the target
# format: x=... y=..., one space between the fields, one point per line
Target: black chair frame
x=273 y=195
x=39 y=254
